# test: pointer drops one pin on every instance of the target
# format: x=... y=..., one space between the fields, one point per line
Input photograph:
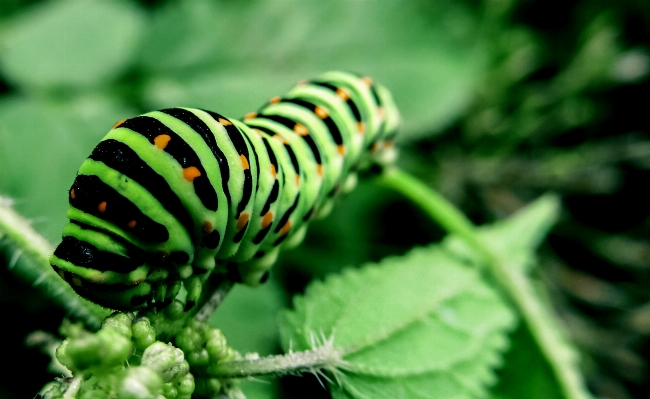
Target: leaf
x=411 y=325
x=516 y=236
x=525 y=373
x=74 y=42
x=512 y=242
x=42 y=144
x=233 y=57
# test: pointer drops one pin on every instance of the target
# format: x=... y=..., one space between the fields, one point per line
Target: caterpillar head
x=102 y=270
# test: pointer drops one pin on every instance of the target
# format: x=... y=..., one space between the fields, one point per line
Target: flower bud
x=185 y=386
x=139 y=383
x=166 y=360
x=143 y=333
x=120 y=321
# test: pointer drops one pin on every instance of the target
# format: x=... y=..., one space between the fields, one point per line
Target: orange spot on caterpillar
x=258 y=132
x=319 y=169
x=343 y=94
x=375 y=147
x=297 y=180
x=274 y=172
x=275 y=100
x=207 y=227
x=267 y=219
x=225 y=122
x=132 y=224
x=388 y=144
x=380 y=112
x=72 y=194
x=250 y=115
x=361 y=128
x=244 y=161
x=119 y=123
x=341 y=149
x=102 y=206
x=191 y=173
x=321 y=112
x=285 y=228
x=281 y=138
x=161 y=141
x=302 y=83
x=300 y=129
x=367 y=81
x=243 y=219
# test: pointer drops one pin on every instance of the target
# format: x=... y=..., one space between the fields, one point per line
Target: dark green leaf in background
x=73 y=42
x=57 y=137
x=241 y=54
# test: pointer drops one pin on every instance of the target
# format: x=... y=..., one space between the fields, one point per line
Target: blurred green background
x=501 y=100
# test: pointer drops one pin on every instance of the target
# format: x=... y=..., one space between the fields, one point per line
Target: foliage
x=501 y=101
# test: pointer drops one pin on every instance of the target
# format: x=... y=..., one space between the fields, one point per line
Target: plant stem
x=30 y=254
x=324 y=357
x=211 y=305
x=518 y=288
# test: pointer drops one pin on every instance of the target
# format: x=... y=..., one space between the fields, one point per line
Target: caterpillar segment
x=169 y=197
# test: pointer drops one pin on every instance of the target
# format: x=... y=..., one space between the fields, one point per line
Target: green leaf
x=517 y=236
x=410 y=325
x=78 y=43
x=42 y=144
x=233 y=57
x=525 y=373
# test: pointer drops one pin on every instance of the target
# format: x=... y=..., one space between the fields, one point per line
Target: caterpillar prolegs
x=171 y=196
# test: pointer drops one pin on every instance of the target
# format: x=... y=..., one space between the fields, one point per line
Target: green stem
x=324 y=357
x=29 y=258
x=515 y=284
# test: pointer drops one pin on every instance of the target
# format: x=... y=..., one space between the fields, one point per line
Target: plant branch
x=211 y=305
x=324 y=357
x=516 y=285
x=29 y=256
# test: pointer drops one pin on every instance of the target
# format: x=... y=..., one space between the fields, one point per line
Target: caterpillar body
x=171 y=196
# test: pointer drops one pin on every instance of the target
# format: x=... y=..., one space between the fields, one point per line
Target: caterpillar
x=171 y=196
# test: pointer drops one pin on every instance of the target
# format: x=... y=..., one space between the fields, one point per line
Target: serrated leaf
x=407 y=327
x=512 y=243
x=72 y=42
x=516 y=236
x=525 y=373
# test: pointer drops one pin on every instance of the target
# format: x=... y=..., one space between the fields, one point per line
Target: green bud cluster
x=124 y=359
x=203 y=345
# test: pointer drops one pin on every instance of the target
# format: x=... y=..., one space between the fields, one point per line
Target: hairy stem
x=211 y=305
x=29 y=256
x=517 y=286
x=325 y=357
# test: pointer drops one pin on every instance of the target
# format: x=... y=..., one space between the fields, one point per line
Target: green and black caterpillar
x=171 y=196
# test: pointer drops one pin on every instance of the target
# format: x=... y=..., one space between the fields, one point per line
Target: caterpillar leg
x=297 y=237
x=255 y=271
x=194 y=287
